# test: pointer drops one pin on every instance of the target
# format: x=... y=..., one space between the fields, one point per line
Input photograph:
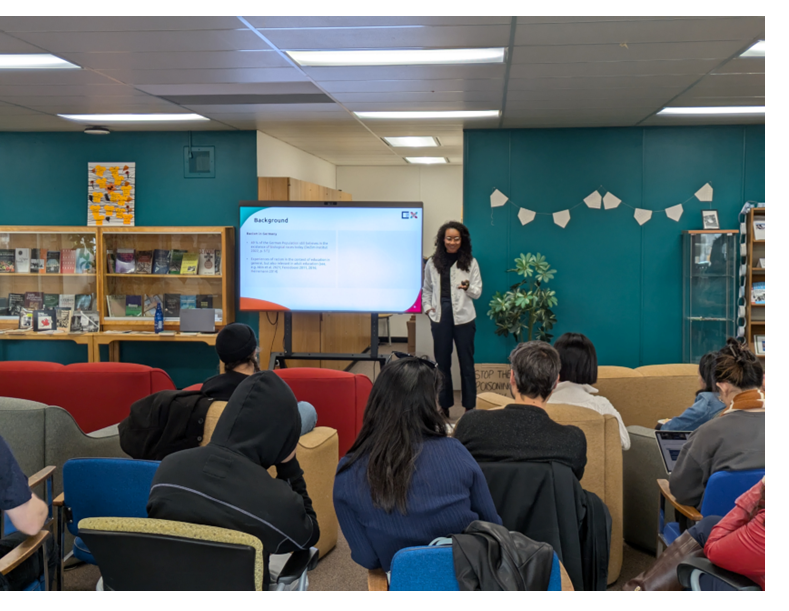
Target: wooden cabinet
x=755 y=312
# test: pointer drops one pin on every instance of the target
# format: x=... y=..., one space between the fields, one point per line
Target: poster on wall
x=111 y=196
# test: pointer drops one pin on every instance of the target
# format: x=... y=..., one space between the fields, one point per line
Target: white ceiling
x=561 y=72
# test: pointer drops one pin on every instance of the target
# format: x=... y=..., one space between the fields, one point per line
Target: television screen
x=330 y=256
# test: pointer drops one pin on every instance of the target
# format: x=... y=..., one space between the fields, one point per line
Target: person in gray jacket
x=734 y=440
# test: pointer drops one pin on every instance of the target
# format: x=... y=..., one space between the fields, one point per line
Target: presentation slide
x=358 y=257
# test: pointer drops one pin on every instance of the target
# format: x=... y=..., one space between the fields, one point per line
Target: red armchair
x=339 y=398
x=95 y=394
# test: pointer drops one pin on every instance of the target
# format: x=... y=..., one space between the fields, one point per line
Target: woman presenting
x=452 y=280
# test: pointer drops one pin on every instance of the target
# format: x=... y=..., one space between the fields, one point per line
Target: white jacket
x=583 y=395
x=462 y=306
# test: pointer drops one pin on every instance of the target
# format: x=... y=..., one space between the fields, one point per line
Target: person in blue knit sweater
x=707 y=404
x=404 y=482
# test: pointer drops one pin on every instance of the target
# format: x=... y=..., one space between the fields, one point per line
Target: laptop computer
x=670 y=444
x=197 y=320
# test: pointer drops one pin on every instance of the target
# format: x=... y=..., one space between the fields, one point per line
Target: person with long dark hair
x=452 y=281
x=404 y=482
x=707 y=404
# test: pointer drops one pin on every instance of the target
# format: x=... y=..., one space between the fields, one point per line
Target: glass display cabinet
x=709 y=286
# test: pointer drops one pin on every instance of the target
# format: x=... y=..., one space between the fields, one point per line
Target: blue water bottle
x=158 y=319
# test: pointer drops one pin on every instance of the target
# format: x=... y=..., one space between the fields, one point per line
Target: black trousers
x=31 y=569
x=444 y=333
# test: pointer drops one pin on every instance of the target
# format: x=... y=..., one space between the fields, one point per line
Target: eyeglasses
x=405 y=355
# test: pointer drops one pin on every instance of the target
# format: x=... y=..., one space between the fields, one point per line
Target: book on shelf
x=189 y=264
x=7 y=258
x=51 y=300
x=34 y=300
x=761 y=262
x=86 y=261
x=66 y=300
x=83 y=302
x=37 y=260
x=757 y=293
x=63 y=318
x=207 y=265
x=68 y=260
x=758 y=229
x=44 y=320
x=111 y=261
x=172 y=305
x=22 y=261
x=3 y=306
x=25 y=319
x=16 y=301
x=124 y=261
x=205 y=301
x=144 y=264
x=176 y=257
x=188 y=302
x=85 y=321
x=53 y=261
x=149 y=305
x=218 y=261
x=161 y=261
x=133 y=305
x=116 y=305
x=218 y=315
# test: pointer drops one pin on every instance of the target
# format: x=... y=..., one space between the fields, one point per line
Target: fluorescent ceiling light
x=427 y=160
x=429 y=114
x=712 y=110
x=411 y=141
x=136 y=118
x=756 y=50
x=398 y=57
x=37 y=61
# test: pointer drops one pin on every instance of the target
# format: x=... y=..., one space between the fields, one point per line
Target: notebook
x=670 y=444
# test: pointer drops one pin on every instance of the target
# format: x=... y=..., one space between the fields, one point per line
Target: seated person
x=707 y=404
x=734 y=440
x=735 y=542
x=27 y=513
x=226 y=482
x=404 y=482
x=578 y=373
x=237 y=348
x=523 y=431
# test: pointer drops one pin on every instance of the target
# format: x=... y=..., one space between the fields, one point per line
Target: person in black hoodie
x=225 y=483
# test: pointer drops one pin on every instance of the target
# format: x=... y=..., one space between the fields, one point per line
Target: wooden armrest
x=377 y=581
x=22 y=552
x=59 y=501
x=567 y=585
x=686 y=510
x=35 y=479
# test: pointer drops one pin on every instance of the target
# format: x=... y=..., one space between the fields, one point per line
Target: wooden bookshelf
x=191 y=239
x=755 y=314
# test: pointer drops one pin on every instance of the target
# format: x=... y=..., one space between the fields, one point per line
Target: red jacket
x=737 y=541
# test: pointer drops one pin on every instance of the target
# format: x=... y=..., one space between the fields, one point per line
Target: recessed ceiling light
x=429 y=114
x=756 y=50
x=34 y=61
x=712 y=110
x=398 y=57
x=411 y=141
x=427 y=160
x=97 y=130
x=136 y=118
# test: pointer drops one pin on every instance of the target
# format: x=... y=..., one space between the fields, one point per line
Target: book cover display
x=68 y=261
x=189 y=264
x=111 y=194
x=143 y=262
x=63 y=318
x=176 y=258
x=22 y=261
x=757 y=293
x=124 y=261
x=53 y=262
x=161 y=261
x=7 y=260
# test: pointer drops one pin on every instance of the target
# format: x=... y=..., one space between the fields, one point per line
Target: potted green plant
x=527 y=305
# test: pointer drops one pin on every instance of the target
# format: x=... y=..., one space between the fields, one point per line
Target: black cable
x=275 y=324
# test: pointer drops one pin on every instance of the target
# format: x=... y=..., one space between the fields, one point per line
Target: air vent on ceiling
x=199 y=162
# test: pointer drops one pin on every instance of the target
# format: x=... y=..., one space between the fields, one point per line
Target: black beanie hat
x=236 y=342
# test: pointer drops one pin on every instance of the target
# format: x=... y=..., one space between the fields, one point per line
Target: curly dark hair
x=738 y=366
x=464 y=254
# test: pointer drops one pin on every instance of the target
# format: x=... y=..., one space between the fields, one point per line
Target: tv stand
x=287 y=344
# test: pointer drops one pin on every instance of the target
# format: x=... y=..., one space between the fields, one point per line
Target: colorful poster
x=111 y=196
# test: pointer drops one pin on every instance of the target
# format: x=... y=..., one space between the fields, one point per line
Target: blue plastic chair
x=722 y=490
x=101 y=487
x=431 y=569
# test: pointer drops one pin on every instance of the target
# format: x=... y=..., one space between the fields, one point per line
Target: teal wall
x=618 y=283
x=43 y=181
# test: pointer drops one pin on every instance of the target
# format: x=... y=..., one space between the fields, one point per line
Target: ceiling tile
x=405 y=85
x=52 y=77
x=742 y=65
x=379 y=22
x=632 y=94
x=541 y=54
x=197 y=77
x=116 y=24
x=591 y=69
x=383 y=73
x=9 y=44
x=730 y=85
x=673 y=82
x=194 y=60
x=228 y=88
x=492 y=96
x=714 y=120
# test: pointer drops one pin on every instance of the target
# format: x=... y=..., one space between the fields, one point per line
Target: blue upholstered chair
x=101 y=487
x=431 y=568
x=721 y=492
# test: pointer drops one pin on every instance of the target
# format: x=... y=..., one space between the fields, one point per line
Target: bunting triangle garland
x=675 y=212
x=561 y=218
x=593 y=200
x=526 y=216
